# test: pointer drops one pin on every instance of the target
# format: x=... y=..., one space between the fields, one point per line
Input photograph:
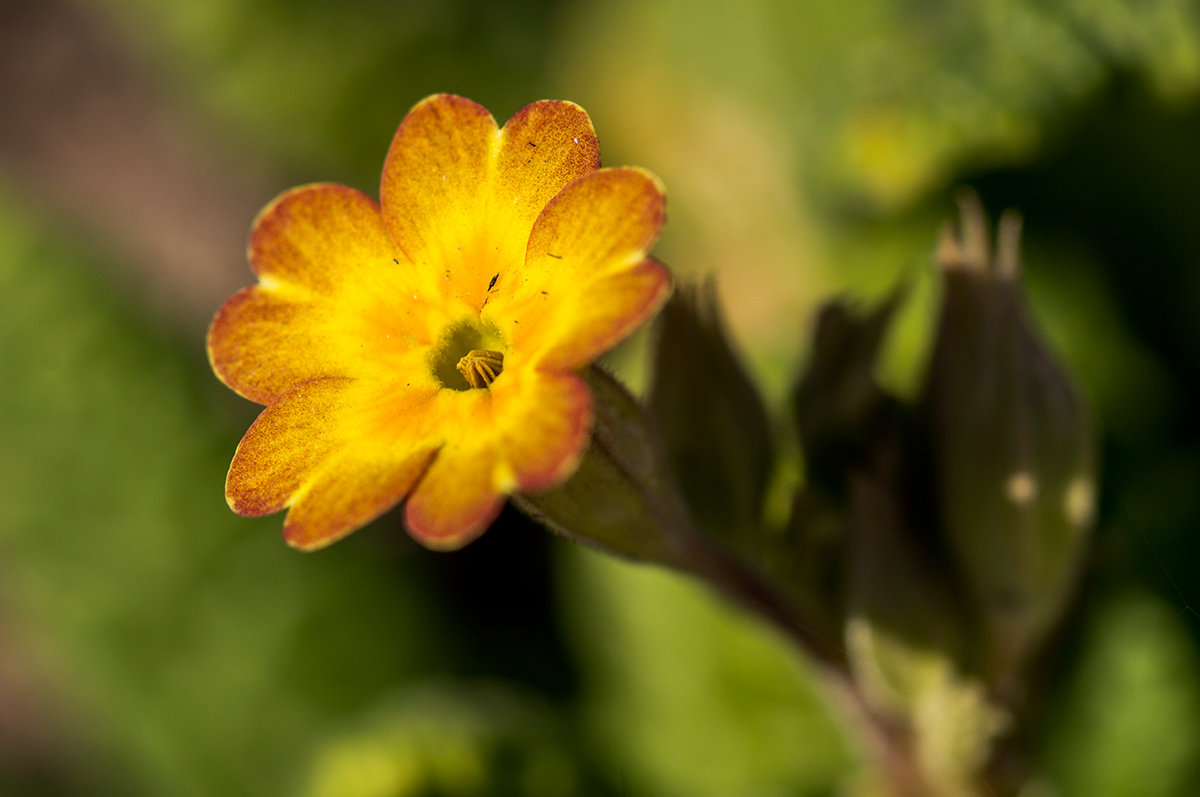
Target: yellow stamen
x=480 y=367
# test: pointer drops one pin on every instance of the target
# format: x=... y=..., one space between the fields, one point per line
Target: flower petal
x=457 y=498
x=618 y=306
x=542 y=148
x=318 y=237
x=260 y=344
x=338 y=451
x=542 y=421
x=460 y=196
x=343 y=501
x=331 y=297
x=434 y=182
x=587 y=282
x=530 y=435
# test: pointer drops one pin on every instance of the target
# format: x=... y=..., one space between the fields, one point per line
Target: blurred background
x=152 y=643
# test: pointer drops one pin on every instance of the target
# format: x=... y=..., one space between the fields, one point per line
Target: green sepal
x=844 y=420
x=621 y=499
x=904 y=627
x=711 y=419
x=838 y=407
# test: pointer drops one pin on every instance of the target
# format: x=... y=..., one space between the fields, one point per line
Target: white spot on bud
x=1020 y=488
x=1080 y=501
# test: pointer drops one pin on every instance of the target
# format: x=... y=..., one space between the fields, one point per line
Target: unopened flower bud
x=847 y=425
x=903 y=630
x=713 y=425
x=1011 y=444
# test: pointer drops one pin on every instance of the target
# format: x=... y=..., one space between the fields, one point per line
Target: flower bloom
x=425 y=348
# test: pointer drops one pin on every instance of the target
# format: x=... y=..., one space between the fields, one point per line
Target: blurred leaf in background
x=1129 y=722
x=686 y=697
x=184 y=647
x=318 y=85
x=451 y=738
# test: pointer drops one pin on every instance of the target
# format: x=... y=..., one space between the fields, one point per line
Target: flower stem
x=885 y=742
x=744 y=584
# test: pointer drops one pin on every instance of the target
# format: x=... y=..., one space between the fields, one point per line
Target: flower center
x=469 y=354
x=480 y=367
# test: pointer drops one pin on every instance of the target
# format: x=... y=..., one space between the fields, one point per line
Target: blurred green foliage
x=316 y=84
x=186 y=647
x=690 y=697
x=177 y=649
x=1129 y=721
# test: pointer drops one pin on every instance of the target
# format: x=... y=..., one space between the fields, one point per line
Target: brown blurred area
x=86 y=134
x=27 y=735
x=88 y=138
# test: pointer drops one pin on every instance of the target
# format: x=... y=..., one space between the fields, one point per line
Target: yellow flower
x=426 y=347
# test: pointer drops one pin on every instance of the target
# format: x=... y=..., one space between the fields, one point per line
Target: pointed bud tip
x=974 y=229
x=1008 y=246
x=949 y=254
